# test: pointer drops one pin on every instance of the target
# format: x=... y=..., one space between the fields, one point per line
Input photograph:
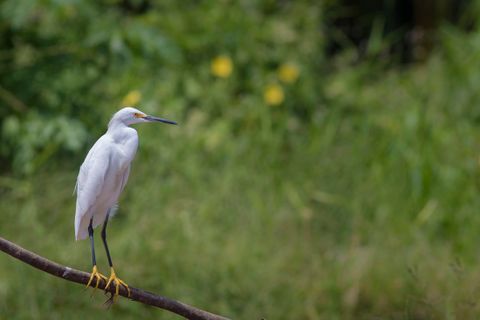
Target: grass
x=367 y=210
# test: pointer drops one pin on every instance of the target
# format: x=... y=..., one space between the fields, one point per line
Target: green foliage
x=354 y=198
x=83 y=71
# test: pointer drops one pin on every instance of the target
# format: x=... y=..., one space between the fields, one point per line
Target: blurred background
x=326 y=165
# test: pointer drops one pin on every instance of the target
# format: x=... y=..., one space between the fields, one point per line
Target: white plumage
x=105 y=171
x=101 y=180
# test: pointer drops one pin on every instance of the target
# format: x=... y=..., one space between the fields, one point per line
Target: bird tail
x=81 y=226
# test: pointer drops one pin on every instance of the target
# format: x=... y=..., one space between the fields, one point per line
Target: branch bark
x=77 y=276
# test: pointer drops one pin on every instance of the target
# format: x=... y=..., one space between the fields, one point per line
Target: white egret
x=102 y=178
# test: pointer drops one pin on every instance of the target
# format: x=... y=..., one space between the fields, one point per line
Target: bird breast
x=125 y=144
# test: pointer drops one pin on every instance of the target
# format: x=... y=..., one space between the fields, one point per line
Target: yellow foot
x=95 y=275
x=116 y=282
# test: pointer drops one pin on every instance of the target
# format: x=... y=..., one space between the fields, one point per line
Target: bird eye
x=138 y=115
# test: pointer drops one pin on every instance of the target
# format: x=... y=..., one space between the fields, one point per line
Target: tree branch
x=73 y=275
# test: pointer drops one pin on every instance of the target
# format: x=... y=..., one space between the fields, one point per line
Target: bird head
x=129 y=115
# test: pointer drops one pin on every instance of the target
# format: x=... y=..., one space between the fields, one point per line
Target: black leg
x=104 y=238
x=117 y=282
x=95 y=274
x=90 y=234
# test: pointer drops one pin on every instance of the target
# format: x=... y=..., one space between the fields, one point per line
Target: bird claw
x=95 y=275
x=110 y=301
x=117 y=282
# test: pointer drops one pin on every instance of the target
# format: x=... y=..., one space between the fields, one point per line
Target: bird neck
x=115 y=124
x=119 y=131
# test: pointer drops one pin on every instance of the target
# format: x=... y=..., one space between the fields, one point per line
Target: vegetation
x=297 y=186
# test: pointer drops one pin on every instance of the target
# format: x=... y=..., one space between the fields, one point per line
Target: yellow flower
x=221 y=66
x=273 y=95
x=288 y=73
x=132 y=98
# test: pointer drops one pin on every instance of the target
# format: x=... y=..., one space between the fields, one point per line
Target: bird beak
x=152 y=118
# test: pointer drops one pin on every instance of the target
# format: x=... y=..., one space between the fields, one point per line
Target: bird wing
x=125 y=175
x=90 y=181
